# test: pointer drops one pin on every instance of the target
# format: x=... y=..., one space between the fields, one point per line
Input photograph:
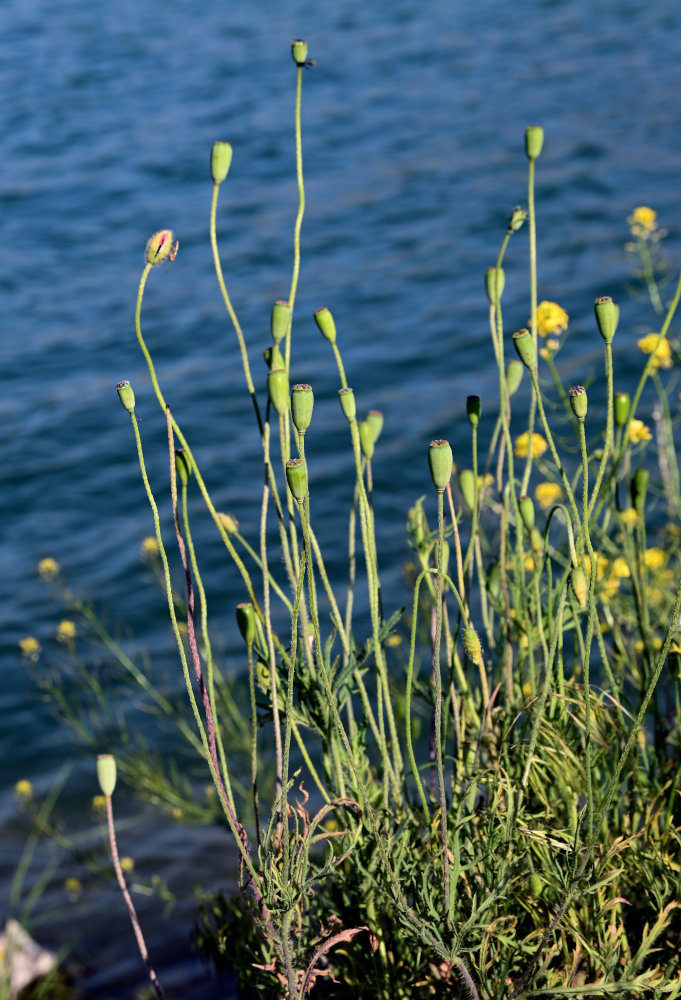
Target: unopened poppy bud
x=578 y=401
x=494 y=579
x=245 y=619
x=526 y=508
x=159 y=247
x=182 y=466
x=366 y=439
x=580 y=586
x=417 y=524
x=229 y=523
x=106 y=773
x=126 y=395
x=299 y=51
x=281 y=320
x=220 y=161
x=467 y=487
x=621 y=406
x=296 y=477
x=494 y=284
x=302 y=401
x=514 y=375
x=274 y=359
x=440 y=459
x=324 y=321
x=517 y=220
x=639 y=486
x=534 y=140
x=473 y=410
x=524 y=345
x=277 y=387
x=348 y=405
x=607 y=317
x=374 y=420
x=471 y=644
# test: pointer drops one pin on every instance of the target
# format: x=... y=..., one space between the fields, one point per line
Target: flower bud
x=524 y=345
x=302 y=401
x=471 y=644
x=274 y=359
x=277 y=387
x=639 y=486
x=374 y=420
x=126 y=395
x=467 y=487
x=517 y=220
x=220 y=161
x=348 y=405
x=417 y=524
x=296 y=477
x=514 y=375
x=534 y=140
x=245 y=619
x=299 y=51
x=494 y=579
x=578 y=401
x=440 y=459
x=580 y=586
x=159 y=247
x=324 y=321
x=621 y=406
x=494 y=284
x=607 y=317
x=182 y=466
x=229 y=523
x=366 y=439
x=473 y=410
x=526 y=508
x=281 y=320
x=106 y=773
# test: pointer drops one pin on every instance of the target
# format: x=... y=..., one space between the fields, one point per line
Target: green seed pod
x=302 y=401
x=299 y=51
x=440 y=459
x=277 y=387
x=375 y=421
x=245 y=619
x=578 y=401
x=639 y=486
x=220 y=161
x=296 y=477
x=274 y=359
x=621 y=407
x=106 y=773
x=514 y=375
x=526 y=508
x=347 y=402
x=366 y=439
x=182 y=466
x=159 y=247
x=580 y=586
x=494 y=284
x=471 y=644
x=494 y=579
x=524 y=345
x=126 y=395
x=607 y=317
x=517 y=220
x=473 y=410
x=281 y=320
x=324 y=321
x=467 y=487
x=534 y=140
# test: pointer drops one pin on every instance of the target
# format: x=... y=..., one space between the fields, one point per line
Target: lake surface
x=414 y=119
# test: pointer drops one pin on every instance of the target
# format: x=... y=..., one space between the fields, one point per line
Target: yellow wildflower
x=98 y=803
x=642 y=221
x=551 y=318
x=546 y=494
x=522 y=445
x=620 y=568
x=610 y=587
x=528 y=562
x=23 y=790
x=149 y=546
x=73 y=887
x=629 y=516
x=127 y=864
x=484 y=482
x=663 y=354
x=638 y=431
x=602 y=564
x=30 y=647
x=48 y=568
x=656 y=644
x=393 y=639
x=654 y=558
x=66 y=632
x=527 y=689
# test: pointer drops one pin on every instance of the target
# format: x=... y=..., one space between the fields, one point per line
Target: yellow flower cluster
x=30 y=647
x=551 y=318
x=23 y=789
x=546 y=494
x=149 y=546
x=66 y=632
x=642 y=221
x=523 y=446
x=48 y=568
x=654 y=558
x=638 y=431
x=663 y=354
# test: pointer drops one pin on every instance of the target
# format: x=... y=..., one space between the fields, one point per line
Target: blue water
x=413 y=140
